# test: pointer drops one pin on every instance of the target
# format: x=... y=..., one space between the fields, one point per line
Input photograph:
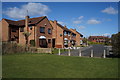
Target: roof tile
x=22 y=22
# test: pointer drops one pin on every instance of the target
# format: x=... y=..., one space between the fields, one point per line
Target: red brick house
x=78 y=37
x=62 y=36
x=39 y=27
x=98 y=39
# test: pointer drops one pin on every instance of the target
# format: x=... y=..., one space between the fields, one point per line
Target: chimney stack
x=65 y=26
x=55 y=21
x=74 y=29
x=26 y=22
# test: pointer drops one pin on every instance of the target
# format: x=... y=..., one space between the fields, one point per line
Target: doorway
x=43 y=43
x=53 y=43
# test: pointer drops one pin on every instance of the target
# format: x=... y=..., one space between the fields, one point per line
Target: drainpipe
x=55 y=25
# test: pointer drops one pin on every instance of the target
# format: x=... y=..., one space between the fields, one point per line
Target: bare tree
x=26 y=34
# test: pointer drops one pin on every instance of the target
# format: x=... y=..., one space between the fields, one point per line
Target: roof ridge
x=9 y=19
x=32 y=18
x=22 y=22
x=63 y=27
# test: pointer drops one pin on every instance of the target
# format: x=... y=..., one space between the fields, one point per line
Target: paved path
x=98 y=51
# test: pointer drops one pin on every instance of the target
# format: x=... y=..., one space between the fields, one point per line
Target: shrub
x=116 y=44
x=12 y=48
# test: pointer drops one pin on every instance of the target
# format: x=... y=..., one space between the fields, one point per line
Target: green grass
x=53 y=66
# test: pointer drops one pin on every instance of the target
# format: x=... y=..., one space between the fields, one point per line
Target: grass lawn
x=54 y=66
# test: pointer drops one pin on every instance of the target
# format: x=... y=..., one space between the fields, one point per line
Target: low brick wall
x=44 y=50
x=33 y=49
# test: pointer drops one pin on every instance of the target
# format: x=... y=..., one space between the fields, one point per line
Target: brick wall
x=78 y=37
x=57 y=34
x=44 y=23
x=5 y=30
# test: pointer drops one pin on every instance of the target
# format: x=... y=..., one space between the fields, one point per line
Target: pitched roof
x=79 y=33
x=22 y=22
x=72 y=31
x=76 y=31
x=11 y=22
x=64 y=28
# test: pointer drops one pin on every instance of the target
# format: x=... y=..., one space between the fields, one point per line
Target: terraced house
x=44 y=33
x=78 y=37
x=64 y=37
x=98 y=39
x=39 y=27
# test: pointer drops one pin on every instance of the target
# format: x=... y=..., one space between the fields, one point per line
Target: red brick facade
x=63 y=36
x=78 y=37
x=98 y=39
x=15 y=29
x=45 y=33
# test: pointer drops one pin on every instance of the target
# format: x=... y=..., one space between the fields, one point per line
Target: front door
x=43 y=43
x=53 y=43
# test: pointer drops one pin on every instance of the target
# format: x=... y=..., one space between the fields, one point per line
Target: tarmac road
x=98 y=51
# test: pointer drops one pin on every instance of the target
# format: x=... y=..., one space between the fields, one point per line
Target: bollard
x=104 y=54
x=59 y=51
x=91 y=53
x=68 y=52
x=79 y=52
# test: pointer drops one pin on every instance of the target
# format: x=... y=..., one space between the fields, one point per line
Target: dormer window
x=65 y=33
x=68 y=33
x=74 y=35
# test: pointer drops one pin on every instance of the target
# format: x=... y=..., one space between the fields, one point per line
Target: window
x=65 y=33
x=74 y=35
x=68 y=33
x=21 y=29
x=42 y=29
x=49 y=31
x=49 y=40
x=66 y=42
x=30 y=27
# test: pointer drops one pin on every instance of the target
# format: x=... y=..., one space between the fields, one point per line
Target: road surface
x=98 y=51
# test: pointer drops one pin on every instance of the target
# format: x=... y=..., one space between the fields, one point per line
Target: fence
x=80 y=53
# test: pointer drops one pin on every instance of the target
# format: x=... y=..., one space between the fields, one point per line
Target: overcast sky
x=89 y=18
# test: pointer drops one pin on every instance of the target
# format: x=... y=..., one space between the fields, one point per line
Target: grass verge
x=54 y=66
